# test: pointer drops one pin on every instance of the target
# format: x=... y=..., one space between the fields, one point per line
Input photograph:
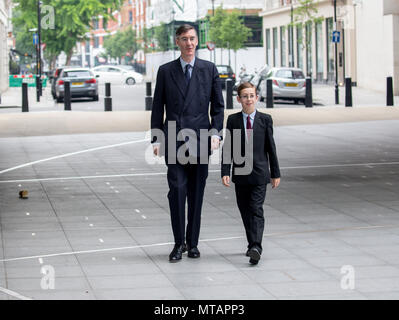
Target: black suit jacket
x=188 y=107
x=264 y=150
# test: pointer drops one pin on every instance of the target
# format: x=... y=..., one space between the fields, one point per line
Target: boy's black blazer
x=264 y=150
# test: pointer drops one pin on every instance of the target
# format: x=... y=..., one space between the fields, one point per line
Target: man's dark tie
x=187 y=74
x=249 y=126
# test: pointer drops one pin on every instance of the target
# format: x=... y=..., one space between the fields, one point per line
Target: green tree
x=216 y=29
x=161 y=35
x=123 y=43
x=233 y=31
x=306 y=13
x=72 y=21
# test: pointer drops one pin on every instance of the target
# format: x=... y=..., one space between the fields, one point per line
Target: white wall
x=252 y=58
x=3 y=46
x=377 y=46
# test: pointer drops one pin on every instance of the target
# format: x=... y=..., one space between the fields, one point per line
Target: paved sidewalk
x=97 y=216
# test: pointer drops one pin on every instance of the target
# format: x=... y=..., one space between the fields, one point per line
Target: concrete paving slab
x=333 y=208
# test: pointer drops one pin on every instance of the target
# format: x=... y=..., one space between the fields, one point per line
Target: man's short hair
x=183 y=29
x=245 y=85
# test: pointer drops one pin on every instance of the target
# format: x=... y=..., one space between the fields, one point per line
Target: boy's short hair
x=183 y=29
x=245 y=85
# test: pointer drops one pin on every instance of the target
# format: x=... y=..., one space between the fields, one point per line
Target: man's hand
x=226 y=181
x=156 y=149
x=275 y=182
x=215 y=143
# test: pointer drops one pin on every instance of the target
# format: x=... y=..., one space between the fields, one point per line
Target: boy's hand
x=156 y=148
x=215 y=143
x=226 y=181
x=275 y=182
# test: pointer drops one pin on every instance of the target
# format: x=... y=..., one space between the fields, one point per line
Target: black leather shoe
x=176 y=253
x=193 y=253
x=254 y=255
x=247 y=254
x=184 y=248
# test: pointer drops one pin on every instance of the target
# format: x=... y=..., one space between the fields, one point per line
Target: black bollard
x=269 y=94
x=25 y=102
x=148 y=98
x=308 y=96
x=229 y=94
x=348 y=92
x=107 y=99
x=67 y=96
x=390 y=91
x=148 y=89
x=37 y=88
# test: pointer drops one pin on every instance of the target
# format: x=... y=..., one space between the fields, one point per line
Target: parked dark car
x=83 y=83
x=225 y=72
x=53 y=78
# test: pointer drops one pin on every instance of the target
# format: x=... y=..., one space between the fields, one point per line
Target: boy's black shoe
x=254 y=255
x=193 y=253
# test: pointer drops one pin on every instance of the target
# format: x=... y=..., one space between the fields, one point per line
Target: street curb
x=80 y=122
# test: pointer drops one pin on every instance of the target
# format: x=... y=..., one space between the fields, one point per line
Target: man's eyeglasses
x=185 y=39
x=245 y=97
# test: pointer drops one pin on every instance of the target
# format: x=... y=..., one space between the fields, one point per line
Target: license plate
x=77 y=83
x=291 y=84
x=223 y=76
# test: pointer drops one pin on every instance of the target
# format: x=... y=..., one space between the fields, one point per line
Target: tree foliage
x=72 y=21
x=216 y=29
x=161 y=35
x=227 y=30
x=233 y=31
x=123 y=43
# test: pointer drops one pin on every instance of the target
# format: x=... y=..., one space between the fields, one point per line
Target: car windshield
x=77 y=74
x=223 y=69
x=290 y=74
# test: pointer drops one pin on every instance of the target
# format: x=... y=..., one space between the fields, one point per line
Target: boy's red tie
x=249 y=126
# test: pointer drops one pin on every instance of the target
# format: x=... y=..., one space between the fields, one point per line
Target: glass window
x=319 y=51
x=290 y=74
x=309 y=47
x=290 y=46
x=113 y=70
x=275 y=46
x=77 y=74
x=268 y=48
x=224 y=69
x=330 y=50
x=283 y=44
x=96 y=42
x=300 y=46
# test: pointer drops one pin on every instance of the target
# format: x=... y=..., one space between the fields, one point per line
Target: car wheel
x=59 y=99
x=95 y=98
x=296 y=101
x=130 y=81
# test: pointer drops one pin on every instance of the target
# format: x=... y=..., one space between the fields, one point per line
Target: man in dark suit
x=184 y=89
x=253 y=151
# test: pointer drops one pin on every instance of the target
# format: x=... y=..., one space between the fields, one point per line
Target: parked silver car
x=83 y=83
x=288 y=84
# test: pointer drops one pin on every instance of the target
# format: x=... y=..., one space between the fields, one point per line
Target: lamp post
x=336 y=55
x=173 y=32
x=292 y=36
x=39 y=49
x=213 y=14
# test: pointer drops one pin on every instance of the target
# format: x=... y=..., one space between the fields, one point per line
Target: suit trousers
x=250 y=199
x=186 y=182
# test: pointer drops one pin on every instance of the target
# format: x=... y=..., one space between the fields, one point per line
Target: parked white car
x=288 y=84
x=117 y=75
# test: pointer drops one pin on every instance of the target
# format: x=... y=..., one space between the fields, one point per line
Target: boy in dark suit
x=259 y=150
